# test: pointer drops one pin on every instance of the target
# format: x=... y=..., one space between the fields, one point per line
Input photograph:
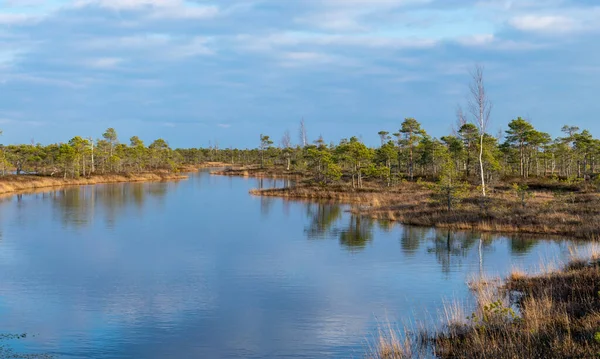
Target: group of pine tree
x=408 y=154
x=411 y=153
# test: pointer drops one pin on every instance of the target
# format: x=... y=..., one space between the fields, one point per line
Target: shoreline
x=209 y=165
x=412 y=204
x=20 y=184
x=257 y=172
x=550 y=313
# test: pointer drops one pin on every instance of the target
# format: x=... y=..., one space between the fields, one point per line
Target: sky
x=207 y=72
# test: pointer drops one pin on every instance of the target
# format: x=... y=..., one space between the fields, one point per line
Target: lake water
x=201 y=269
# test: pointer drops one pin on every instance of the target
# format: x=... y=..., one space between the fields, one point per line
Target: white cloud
x=129 y=4
x=476 y=40
x=566 y=19
x=137 y=42
x=17 y=19
x=157 y=9
x=306 y=56
x=224 y=125
x=104 y=62
x=291 y=39
x=196 y=46
x=349 y=15
x=313 y=58
x=491 y=42
x=186 y=12
x=42 y=80
x=544 y=23
x=151 y=46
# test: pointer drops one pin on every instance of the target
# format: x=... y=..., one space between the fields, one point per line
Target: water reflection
x=323 y=216
x=522 y=245
x=450 y=248
x=325 y=222
x=265 y=205
x=412 y=238
x=78 y=207
x=357 y=234
x=202 y=269
x=262 y=183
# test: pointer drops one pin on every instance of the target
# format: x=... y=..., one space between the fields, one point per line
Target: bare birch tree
x=461 y=118
x=480 y=108
x=286 y=140
x=303 y=138
x=286 y=144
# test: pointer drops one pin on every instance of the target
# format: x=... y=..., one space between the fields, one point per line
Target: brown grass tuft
x=548 y=315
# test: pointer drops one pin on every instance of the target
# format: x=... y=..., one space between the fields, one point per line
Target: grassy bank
x=554 y=314
x=549 y=208
x=23 y=183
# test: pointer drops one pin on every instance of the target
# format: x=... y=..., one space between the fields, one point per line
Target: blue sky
x=225 y=71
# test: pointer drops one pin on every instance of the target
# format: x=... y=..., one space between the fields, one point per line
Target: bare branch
x=286 y=140
x=303 y=138
x=480 y=108
x=479 y=105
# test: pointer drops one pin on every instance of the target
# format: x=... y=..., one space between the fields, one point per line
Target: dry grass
x=25 y=183
x=575 y=215
x=547 y=315
x=559 y=317
x=393 y=343
x=390 y=345
x=517 y=274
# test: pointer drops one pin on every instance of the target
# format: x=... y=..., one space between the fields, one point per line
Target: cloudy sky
x=227 y=70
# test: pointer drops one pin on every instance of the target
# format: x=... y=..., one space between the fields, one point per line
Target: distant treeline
x=408 y=153
x=411 y=152
x=85 y=156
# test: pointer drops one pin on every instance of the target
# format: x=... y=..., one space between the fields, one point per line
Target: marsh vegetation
x=549 y=314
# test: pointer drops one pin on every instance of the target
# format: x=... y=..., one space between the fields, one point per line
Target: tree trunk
x=481 y=165
x=410 y=165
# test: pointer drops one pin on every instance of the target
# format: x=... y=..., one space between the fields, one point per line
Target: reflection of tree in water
x=265 y=205
x=451 y=247
x=157 y=189
x=322 y=218
x=266 y=182
x=75 y=205
x=358 y=233
x=385 y=225
x=285 y=204
x=137 y=194
x=522 y=245
x=78 y=206
x=262 y=182
x=411 y=238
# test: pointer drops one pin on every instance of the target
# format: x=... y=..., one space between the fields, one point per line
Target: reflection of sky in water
x=201 y=269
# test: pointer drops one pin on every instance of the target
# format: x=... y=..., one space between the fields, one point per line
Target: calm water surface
x=201 y=269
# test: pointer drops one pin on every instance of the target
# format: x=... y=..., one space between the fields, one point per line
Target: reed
x=553 y=314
